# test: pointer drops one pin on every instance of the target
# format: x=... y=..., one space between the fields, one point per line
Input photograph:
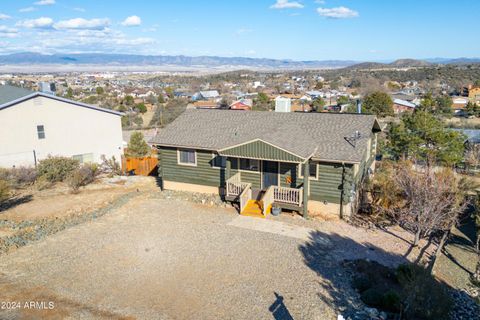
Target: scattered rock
x=212 y=200
x=32 y=230
x=464 y=306
x=372 y=312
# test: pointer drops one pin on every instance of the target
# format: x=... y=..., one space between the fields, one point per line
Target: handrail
x=268 y=199
x=245 y=196
x=288 y=195
x=235 y=185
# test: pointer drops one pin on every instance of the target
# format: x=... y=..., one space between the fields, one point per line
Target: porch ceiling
x=261 y=150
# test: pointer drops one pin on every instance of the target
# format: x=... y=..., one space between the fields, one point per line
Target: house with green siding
x=306 y=162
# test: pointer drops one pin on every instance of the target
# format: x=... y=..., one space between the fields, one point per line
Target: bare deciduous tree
x=426 y=202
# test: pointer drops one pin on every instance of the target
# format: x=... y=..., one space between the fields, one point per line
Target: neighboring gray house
x=260 y=159
x=206 y=95
x=34 y=125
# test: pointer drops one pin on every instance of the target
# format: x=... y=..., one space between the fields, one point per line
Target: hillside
x=408 y=63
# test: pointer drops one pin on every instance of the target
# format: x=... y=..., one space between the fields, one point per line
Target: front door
x=269 y=174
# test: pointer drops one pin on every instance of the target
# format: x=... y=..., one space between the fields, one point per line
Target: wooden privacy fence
x=140 y=166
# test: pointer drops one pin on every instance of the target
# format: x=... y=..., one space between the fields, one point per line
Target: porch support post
x=306 y=187
x=228 y=169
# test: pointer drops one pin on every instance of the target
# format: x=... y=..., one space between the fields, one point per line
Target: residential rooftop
x=322 y=136
x=9 y=93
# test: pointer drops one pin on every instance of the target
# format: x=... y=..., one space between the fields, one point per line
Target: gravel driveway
x=167 y=259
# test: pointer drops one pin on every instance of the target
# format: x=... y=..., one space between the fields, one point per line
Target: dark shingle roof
x=322 y=135
x=10 y=93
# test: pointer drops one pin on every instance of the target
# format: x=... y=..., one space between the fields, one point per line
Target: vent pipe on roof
x=359 y=106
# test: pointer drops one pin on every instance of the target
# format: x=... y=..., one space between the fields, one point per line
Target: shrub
x=409 y=289
x=4 y=190
x=391 y=301
x=110 y=166
x=19 y=177
x=377 y=297
x=56 y=169
x=361 y=283
x=42 y=183
x=94 y=167
x=423 y=296
x=80 y=177
x=372 y=297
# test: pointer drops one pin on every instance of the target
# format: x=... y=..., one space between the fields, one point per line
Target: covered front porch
x=259 y=176
x=257 y=202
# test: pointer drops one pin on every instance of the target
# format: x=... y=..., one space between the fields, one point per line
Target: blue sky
x=372 y=30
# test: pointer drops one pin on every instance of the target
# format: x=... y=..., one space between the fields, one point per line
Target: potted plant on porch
x=276 y=210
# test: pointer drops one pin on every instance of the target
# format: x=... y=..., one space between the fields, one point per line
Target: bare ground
x=166 y=259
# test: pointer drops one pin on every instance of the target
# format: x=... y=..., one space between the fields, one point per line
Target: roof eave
x=41 y=94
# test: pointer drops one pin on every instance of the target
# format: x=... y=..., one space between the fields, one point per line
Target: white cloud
x=81 y=23
x=7 y=32
x=79 y=9
x=134 y=42
x=4 y=16
x=285 y=4
x=28 y=9
x=74 y=40
x=40 y=23
x=132 y=21
x=241 y=31
x=151 y=29
x=337 y=13
x=320 y=1
x=45 y=2
x=251 y=52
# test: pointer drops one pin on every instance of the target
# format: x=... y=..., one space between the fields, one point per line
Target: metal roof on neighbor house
x=473 y=135
x=8 y=95
x=404 y=103
x=209 y=94
x=323 y=136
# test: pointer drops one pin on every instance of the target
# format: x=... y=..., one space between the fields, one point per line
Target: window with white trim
x=84 y=158
x=41 y=132
x=218 y=161
x=313 y=171
x=187 y=157
x=249 y=164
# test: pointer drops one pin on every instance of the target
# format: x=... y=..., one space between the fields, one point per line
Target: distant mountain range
x=413 y=63
x=154 y=60
x=113 y=60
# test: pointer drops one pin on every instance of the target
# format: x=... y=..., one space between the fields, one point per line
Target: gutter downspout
x=342 y=191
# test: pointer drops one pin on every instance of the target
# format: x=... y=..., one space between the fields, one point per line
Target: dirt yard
x=31 y=205
x=155 y=258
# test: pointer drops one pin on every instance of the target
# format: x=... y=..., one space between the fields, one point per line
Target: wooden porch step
x=253 y=209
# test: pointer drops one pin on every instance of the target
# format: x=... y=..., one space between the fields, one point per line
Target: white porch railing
x=268 y=199
x=288 y=195
x=235 y=186
x=245 y=196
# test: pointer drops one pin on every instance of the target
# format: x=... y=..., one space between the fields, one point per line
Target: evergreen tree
x=422 y=136
x=378 y=103
x=137 y=147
